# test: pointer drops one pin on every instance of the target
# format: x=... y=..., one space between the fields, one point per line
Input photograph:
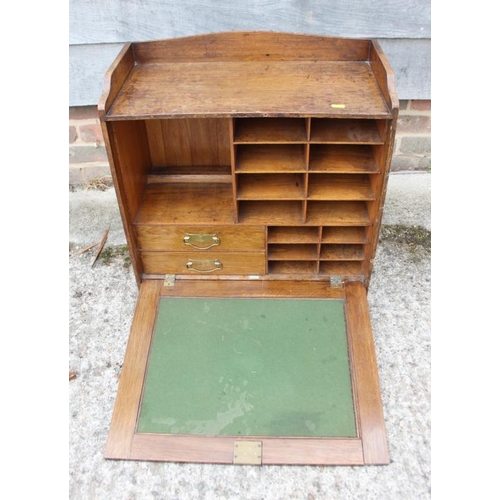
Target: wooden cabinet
x=252 y=164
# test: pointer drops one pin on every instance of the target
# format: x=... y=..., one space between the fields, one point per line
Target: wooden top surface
x=250 y=88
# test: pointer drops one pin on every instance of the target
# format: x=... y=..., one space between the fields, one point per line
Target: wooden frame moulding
x=369 y=447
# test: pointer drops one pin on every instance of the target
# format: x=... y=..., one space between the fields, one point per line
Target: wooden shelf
x=333 y=131
x=270 y=187
x=200 y=173
x=186 y=203
x=341 y=268
x=342 y=252
x=344 y=235
x=292 y=252
x=270 y=130
x=269 y=158
x=293 y=234
x=340 y=187
x=259 y=212
x=158 y=88
x=346 y=159
x=290 y=268
x=339 y=213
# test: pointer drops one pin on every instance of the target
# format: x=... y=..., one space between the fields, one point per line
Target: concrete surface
x=102 y=301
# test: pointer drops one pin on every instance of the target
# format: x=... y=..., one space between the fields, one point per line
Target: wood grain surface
x=307 y=87
x=274 y=450
x=120 y=437
x=364 y=365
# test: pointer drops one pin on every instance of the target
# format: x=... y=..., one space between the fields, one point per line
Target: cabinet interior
x=312 y=185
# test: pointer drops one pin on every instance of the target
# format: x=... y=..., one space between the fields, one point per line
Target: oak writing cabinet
x=250 y=170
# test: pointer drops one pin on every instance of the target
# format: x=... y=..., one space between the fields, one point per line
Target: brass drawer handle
x=203 y=266
x=207 y=240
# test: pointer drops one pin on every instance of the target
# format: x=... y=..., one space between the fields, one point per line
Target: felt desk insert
x=249 y=367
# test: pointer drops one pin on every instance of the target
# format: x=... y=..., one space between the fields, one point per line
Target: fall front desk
x=250 y=170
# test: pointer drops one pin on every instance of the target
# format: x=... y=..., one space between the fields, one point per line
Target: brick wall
x=88 y=163
x=412 y=150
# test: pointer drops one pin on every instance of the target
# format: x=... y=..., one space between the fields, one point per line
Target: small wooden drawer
x=194 y=263
x=201 y=238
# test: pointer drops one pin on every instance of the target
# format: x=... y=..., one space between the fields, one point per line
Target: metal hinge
x=247 y=453
x=169 y=280
x=336 y=281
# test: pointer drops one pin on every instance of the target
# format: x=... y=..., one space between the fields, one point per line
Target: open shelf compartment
x=270 y=187
x=350 y=131
x=293 y=234
x=292 y=251
x=343 y=159
x=270 y=130
x=270 y=158
x=340 y=187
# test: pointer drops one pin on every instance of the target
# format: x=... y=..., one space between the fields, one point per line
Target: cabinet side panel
x=384 y=158
x=384 y=75
x=115 y=77
x=130 y=162
x=130 y=151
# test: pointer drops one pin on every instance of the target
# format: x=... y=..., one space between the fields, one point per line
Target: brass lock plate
x=247 y=453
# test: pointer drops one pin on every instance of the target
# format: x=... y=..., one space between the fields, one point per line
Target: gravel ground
x=102 y=301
